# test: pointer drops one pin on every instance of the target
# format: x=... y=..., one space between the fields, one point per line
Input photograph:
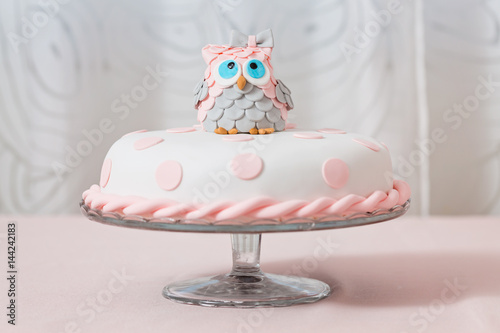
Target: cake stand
x=246 y=286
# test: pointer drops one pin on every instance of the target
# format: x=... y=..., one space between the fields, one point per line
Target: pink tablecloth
x=407 y=275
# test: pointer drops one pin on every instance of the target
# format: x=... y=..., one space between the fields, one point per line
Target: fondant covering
x=196 y=174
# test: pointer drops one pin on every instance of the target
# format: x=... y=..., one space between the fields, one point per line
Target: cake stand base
x=247 y=286
x=247 y=291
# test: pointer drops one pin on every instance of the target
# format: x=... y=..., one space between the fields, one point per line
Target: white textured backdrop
x=74 y=73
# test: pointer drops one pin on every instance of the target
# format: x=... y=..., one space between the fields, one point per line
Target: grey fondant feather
x=274 y=115
x=279 y=125
x=200 y=92
x=195 y=100
x=246 y=89
x=226 y=123
x=280 y=95
x=289 y=101
x=243 y=103
x=255 y=94
x=244 y=124
x=283 y=94
x=254 y=114
x=234 y=113
x=265 y=104
x=264 y=123
x=223 y=102
x=198 y=87
x=215 y=113
x=231 y=94
x=283 y=87
x=203 y=91
x=209 y=125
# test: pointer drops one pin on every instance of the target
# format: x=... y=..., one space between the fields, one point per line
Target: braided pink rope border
x=259 y=207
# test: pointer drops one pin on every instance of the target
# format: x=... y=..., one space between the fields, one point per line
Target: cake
x=244 y=162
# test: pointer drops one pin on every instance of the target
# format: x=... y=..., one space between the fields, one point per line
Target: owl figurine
x=239 y=93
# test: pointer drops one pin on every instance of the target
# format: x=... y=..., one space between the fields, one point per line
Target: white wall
x=69 y=74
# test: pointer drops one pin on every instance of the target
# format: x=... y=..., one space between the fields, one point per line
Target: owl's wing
x=200 y=92
x=283 y=94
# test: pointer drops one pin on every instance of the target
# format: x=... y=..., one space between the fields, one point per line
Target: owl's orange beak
x=241 y=82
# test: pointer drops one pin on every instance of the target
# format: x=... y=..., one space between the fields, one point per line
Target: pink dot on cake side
x=331 y=131
x=105 y=172
x=238 y=138
x=335 y=173
x=139 y=131
x=168 y=175
x=308 y=135
x=367 y=144
x=181 y=130
x=246 y=166
x=147 y=142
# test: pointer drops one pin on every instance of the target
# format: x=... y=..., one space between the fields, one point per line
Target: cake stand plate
x=246 y=286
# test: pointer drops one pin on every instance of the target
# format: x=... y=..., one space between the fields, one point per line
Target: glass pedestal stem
x=246 y=254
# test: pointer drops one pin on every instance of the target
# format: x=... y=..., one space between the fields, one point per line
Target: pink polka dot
x=290 y=126
x=246 y=166
x=308 y=135
x=331 y=131
x=237 y=137
x=335 y=173
x=139 y=131
x=181 y=130
x=105 y=172
x=367 y=144
x=147 y=142
x=169 y=175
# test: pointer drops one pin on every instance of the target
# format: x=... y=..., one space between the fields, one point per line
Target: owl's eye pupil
x=228 y=69
x=255 y=69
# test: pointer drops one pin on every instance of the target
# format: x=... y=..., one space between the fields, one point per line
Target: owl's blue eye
x=228 y=69
x=256 y=69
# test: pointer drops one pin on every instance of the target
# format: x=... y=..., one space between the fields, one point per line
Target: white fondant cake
x=188 y=173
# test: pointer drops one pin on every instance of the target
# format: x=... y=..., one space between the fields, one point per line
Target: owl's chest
x=234 y=101
x=243 y=109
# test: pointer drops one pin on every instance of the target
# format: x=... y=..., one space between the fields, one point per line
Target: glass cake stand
x=246 y=286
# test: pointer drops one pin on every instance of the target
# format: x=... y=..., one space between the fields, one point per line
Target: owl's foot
x=220 y=130
x=233 y=131
x=266 y=130
x=254 y=131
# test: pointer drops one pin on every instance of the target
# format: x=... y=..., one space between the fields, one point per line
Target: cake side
x=194 y=174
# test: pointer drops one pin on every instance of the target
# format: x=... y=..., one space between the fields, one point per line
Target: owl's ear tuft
x=208 y=54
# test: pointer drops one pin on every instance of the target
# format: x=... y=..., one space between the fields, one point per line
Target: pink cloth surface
x=440 y=274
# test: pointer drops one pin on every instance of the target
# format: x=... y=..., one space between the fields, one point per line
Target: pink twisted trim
x=259 y=207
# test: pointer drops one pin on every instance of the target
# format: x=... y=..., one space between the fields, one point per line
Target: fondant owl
x=239 y=93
